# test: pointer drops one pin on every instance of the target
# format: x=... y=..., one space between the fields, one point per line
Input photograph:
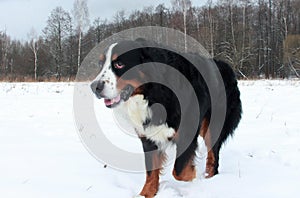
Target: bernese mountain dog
x=125 y=80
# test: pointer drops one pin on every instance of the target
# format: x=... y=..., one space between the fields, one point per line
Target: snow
x=41 y=154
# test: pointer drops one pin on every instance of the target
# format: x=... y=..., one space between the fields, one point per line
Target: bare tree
x=81 y=16
x=34 y=46
x=259 y=38
x=56 y=31
x=183 y=6
x=100 y=28
x=148 y=12
x=161 y=15
x=5 y=41
x=119 y=20
x=211 y=27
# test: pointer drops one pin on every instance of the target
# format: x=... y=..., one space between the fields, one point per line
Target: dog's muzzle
x=98 y=86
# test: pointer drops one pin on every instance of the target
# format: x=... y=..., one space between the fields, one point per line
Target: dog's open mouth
x=123 y=96
x=112 y=102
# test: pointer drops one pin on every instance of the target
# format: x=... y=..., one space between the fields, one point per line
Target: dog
x=129 y=69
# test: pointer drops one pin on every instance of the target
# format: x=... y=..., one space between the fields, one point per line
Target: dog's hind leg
x=212 y=160
x=184 y=168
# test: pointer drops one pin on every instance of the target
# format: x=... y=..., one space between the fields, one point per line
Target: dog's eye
x=119 y=65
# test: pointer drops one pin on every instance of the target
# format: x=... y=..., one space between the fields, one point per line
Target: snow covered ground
x=41 y=154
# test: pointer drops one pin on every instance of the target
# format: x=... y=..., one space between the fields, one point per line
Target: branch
x=244 y=76
x=293 y=68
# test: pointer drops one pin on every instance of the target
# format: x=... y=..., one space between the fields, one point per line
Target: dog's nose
x=97 y=86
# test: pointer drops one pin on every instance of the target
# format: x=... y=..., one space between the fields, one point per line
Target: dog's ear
x=145 y=55
x=153 y=56
x=144 y=50
x=141 y=40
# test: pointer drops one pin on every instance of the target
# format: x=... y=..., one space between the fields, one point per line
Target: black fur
x=149 y=148
x=157 y=93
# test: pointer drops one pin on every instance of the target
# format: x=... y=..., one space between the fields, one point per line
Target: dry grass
x=40 y=79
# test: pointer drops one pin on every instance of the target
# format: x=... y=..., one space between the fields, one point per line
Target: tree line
x=259 y=38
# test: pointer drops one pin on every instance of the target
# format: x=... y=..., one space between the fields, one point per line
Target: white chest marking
x=138 y=111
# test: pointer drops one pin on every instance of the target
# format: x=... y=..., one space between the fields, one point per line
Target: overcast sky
x=18 y=17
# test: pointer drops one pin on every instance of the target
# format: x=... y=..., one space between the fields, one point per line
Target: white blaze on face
x=108 y=77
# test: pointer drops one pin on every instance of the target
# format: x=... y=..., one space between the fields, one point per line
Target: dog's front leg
x=153 y=160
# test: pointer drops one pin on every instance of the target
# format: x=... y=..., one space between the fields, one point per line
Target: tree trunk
x=233 y=38
x=34 y=48
x=211 y=26
x=79 y=49
x=184 y=24
x=35 y=64
x=58 y=69
x=244 y=37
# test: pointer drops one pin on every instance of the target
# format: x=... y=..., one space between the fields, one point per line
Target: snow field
x=41 y=154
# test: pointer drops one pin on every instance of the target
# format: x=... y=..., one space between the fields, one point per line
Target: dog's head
x=119 y=77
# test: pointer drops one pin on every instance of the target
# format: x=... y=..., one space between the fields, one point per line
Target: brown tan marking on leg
x=151 y=186
x=210 y=160
x=152 y=180
x=188 y=173
x=210 y=163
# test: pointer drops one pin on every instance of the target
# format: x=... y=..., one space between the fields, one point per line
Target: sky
x=19 y=17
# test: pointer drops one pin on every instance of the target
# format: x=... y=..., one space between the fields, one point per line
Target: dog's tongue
x=110 y=102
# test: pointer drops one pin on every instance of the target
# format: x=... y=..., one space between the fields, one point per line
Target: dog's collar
x=126 y=92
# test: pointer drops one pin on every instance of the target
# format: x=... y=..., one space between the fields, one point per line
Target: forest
x=258 y=38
